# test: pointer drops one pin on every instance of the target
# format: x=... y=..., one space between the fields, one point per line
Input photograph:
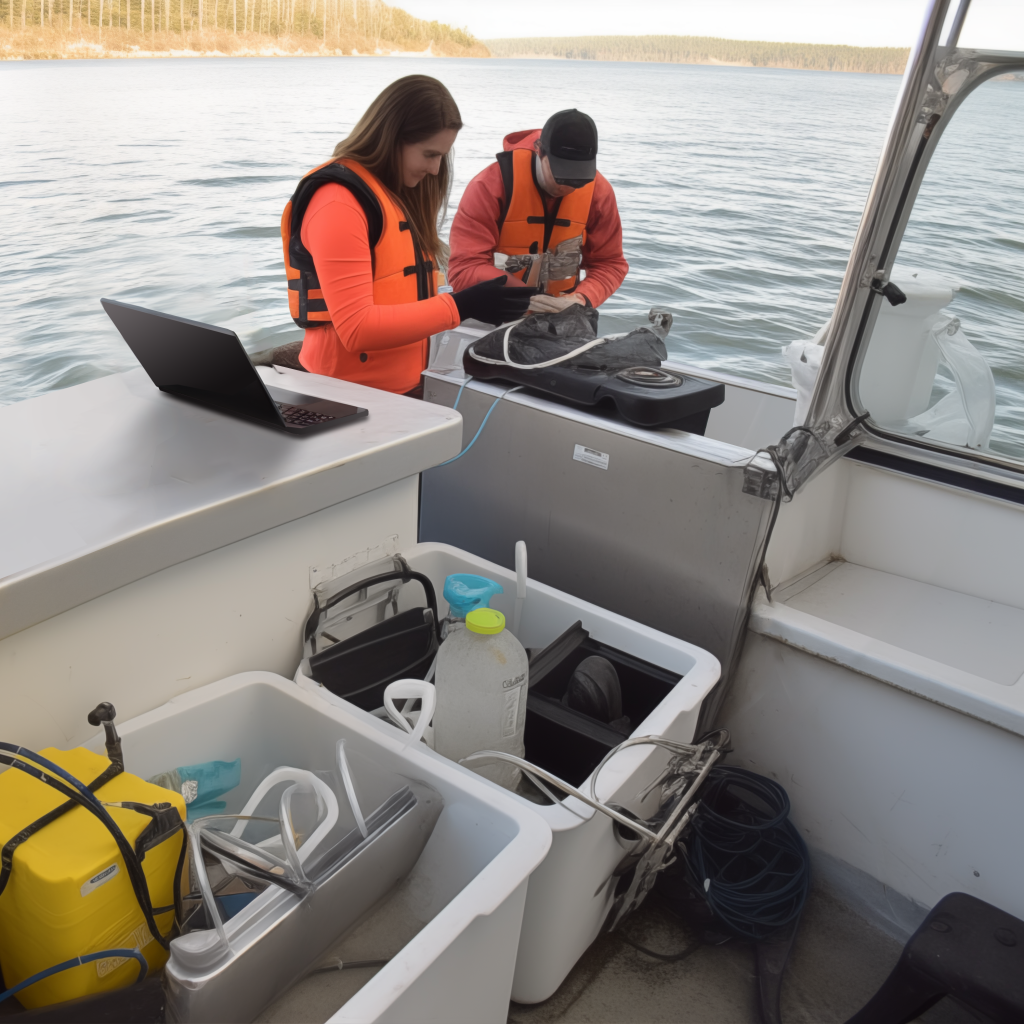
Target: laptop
x=208 y=365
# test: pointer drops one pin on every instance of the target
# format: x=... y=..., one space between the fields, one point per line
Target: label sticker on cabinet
x=590 y=456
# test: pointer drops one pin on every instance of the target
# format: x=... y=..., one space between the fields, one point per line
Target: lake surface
x=162 y=182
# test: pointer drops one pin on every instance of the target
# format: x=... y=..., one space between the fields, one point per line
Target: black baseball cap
x=569 y=138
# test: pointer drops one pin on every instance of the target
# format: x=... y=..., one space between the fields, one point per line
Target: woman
x=362 y=250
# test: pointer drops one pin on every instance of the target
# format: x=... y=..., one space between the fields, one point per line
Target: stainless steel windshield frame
x=934 y=85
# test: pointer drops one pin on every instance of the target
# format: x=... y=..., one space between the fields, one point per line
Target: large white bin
x=452 y=928
x=566 y=904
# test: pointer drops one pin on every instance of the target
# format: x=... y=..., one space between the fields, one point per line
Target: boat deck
x=838 y=962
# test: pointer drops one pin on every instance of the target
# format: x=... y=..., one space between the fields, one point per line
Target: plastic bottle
x=481 y=679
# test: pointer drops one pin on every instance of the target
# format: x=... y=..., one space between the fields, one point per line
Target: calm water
x=162 y=182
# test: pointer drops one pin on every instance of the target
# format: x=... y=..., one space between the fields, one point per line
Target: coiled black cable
x=744 y=854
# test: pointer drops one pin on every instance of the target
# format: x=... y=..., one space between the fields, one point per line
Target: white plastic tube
x=520 y=587
x=350 y=789
x=411 y=689
x=550 y=362
x=327 y=804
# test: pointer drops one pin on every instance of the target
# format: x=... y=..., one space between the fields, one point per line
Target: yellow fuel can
x=68 y=891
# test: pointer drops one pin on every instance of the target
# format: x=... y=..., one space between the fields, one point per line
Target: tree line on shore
x=337 y=22
x=56 y=28
x=886 y=60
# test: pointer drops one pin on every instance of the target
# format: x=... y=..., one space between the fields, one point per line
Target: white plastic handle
x=411 y=688
x=327 y=804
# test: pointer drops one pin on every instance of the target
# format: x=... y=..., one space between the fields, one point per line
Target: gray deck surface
x=838 y=962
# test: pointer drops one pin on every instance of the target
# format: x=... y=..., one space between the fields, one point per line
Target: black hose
x=744 y=854
x=667 y=958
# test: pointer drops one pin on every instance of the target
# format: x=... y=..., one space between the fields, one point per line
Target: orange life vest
x=526 y=227
x=401 y=271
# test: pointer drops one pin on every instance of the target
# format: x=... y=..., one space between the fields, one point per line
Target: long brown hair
x=409 y=110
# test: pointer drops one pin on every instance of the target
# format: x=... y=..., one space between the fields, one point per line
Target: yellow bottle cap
x=485 y=620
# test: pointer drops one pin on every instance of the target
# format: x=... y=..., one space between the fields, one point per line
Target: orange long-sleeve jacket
x=474 y=234
x=382 y=346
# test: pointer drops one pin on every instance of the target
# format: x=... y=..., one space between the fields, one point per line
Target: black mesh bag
x=543 y=337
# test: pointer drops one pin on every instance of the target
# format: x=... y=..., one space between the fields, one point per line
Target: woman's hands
x=492 y=302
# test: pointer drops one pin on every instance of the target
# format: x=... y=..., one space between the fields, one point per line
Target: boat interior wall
x=920 y=797
x=237 y=608
x=125 y=480
x=915 y=583
x=895 y=523
x=881 y=905
x=809 y=529
x=653 y=524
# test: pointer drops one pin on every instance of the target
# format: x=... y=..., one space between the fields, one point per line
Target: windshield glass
x=993 y=25
x=947 y=365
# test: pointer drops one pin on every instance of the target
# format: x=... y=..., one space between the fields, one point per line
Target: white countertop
x=109 y=481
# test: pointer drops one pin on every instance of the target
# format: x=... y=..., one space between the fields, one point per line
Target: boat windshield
x=990 y=25
x=946 y=366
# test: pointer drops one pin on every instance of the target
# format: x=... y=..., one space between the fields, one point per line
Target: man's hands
x=554 y=303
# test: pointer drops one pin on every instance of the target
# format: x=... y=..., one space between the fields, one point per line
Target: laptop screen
x=198 y=361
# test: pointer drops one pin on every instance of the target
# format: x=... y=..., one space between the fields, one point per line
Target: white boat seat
x=958 y=650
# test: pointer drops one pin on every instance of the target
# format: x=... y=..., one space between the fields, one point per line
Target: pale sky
x=852 y=22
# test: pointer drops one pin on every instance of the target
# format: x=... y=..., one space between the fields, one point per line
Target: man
x=540 y=214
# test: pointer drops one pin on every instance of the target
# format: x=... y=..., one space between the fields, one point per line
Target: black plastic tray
x=685 y=406
x=570 y=744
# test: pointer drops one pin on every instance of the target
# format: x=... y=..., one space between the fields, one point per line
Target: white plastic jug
x=481 y=681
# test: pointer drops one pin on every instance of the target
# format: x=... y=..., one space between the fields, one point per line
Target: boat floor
x=838 y=962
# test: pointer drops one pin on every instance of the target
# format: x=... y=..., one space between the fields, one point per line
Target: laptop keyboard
x=300 y=416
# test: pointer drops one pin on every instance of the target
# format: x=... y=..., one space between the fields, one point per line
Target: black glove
x=492 y=302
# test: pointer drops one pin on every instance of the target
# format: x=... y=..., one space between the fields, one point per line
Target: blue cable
x=459 y=395
x=86 y=958
x=482 y=425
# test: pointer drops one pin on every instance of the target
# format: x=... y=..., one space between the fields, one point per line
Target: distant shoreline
x=885 y=60
x=86 y=49
x=379 y=30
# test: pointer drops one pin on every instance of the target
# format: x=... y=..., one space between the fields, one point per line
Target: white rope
x=549 y=362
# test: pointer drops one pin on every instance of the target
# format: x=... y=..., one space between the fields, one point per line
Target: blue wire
x=482 y=425
x=459 y=395
x=86 y=958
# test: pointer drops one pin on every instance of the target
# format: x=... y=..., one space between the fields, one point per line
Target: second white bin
x=568 y=900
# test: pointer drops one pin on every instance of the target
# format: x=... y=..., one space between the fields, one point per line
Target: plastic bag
x=569 y=338
x=201 y=784
x=804 y=364
x=967 y=414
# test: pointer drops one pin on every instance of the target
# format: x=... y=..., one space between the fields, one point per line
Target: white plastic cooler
x=451 y=929
x=568 y=897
